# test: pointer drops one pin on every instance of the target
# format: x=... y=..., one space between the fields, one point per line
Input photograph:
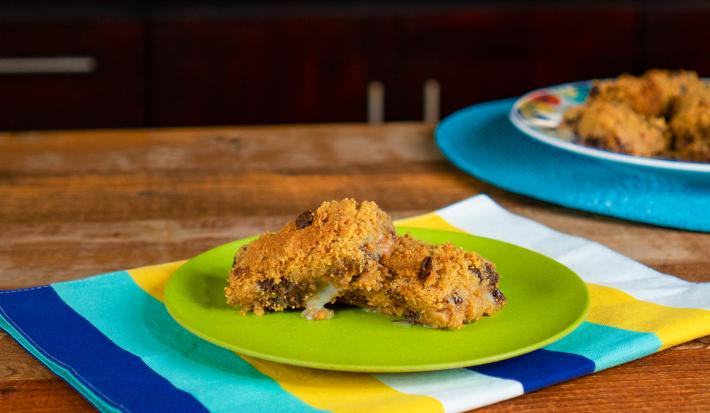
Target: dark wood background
x=172 y=63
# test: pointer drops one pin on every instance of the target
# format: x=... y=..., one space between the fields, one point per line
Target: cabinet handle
x=375 y=102
x=432 y=100
x=35 y=65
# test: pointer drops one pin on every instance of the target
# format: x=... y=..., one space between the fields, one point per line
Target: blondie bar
x=691 y=127
x=312 y=259
x=615 y=127
x=651 y=94
x=348 y=252
x=441 y=286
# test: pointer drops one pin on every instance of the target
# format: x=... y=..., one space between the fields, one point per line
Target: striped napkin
x=111 y=338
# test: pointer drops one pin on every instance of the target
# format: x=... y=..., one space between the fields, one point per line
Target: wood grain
x=77 y=203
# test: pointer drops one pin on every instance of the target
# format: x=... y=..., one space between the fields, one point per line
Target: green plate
x=546 y=301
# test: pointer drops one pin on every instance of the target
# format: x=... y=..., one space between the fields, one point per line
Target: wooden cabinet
x=474 y=56
x=492 y=54
x=317 y=69
x=106 y=89
x=678 y=39
x=578 y=44
x=231 y=66
x=230 y=71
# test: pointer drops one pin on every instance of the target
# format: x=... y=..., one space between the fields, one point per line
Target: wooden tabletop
x=78 y=203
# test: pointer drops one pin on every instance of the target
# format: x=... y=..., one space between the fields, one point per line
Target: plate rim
x=581 y=317
x=664 y=164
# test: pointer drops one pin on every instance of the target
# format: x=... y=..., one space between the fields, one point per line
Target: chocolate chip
x=594 y=142
x=266 y=286
x=456 y=299
x=475 y=271
x=284 y=293
x=425 y=268
x=411 y=316
x=498 y=295
x=491 y=273
x=305 y=219
x=234 y=261
x=594 y=91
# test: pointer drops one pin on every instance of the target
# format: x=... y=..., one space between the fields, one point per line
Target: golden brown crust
x=348 y=252
x=691 y=127
x=617 y=128
x=637 y=93
x=662 y=113
x=651 y=94
x=339 y=241
x=673 y=85
x=441 y=286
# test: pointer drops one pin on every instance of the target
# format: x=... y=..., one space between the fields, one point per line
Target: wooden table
x=74 y=204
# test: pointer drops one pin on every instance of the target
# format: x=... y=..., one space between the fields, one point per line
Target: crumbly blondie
x=652 y=94
x=637 y=93
x=615 y=127
x=441 y=286
x=348 y=252
x=691 y=127
x=311 y=260
x=673 y=85
x=662 y=113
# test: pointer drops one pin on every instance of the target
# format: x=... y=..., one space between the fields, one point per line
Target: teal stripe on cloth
x=60 y=370
x=140 y=324
x=117 y=376
x=607 y=346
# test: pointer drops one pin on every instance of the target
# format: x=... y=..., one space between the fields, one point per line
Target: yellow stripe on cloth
x=336 y=391
x=429 y=221
x=343 y=392
x=152 y=279
x=672 y=325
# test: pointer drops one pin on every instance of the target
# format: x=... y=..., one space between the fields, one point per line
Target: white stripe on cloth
x=458 y=390
x=594 y=262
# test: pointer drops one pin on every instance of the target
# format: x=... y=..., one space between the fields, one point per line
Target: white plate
x=537 y=114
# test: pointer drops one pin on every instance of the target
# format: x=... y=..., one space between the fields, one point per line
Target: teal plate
x=546 y=301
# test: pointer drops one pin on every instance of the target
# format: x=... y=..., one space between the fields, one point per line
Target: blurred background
x=118 y=64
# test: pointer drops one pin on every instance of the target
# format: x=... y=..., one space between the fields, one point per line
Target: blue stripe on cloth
x=139 y=323
x=538 y=369
x=121 y=379
x=57 y=368
x=607 y=346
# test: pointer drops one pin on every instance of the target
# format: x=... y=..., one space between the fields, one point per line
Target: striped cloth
x=111 y=338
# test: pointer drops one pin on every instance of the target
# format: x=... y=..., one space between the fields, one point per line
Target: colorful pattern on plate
x=543 y=109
